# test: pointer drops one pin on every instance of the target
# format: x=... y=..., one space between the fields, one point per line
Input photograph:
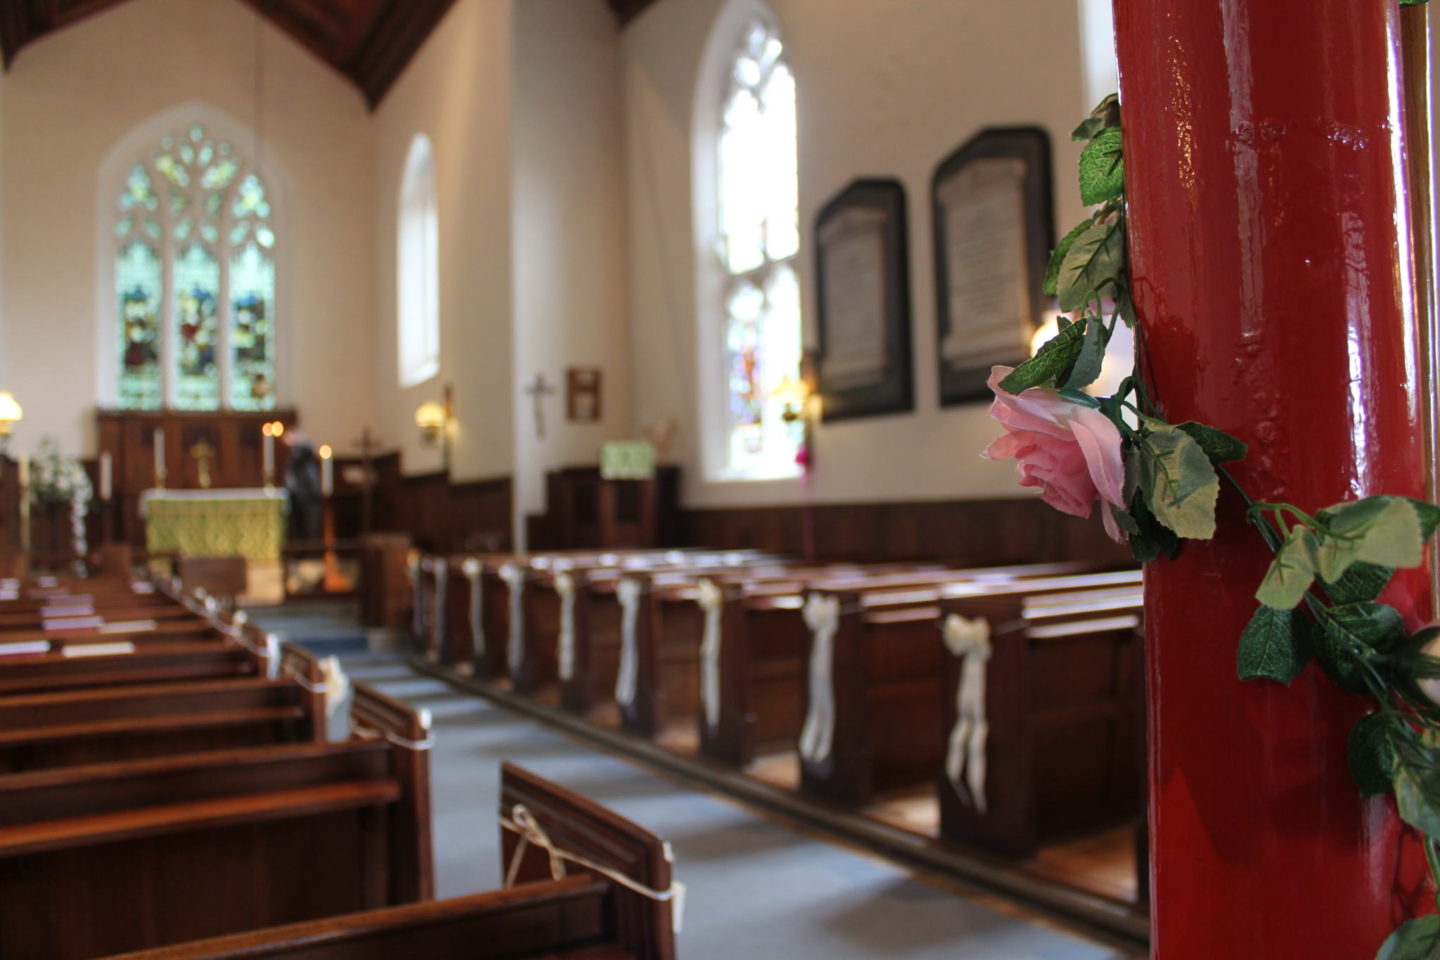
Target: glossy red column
x=1263 y=171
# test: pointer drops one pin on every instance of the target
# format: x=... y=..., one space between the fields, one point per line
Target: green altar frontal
x=216 y=523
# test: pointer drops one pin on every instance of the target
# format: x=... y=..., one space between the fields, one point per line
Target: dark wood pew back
x=884 y=685
x=643 y=925
x=101 y=859
x=156 y=663
x=1064 y=692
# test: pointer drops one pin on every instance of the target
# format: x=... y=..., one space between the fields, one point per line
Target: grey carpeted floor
x=757 y=890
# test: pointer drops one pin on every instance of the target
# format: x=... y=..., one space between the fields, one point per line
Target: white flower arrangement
x=55 y=478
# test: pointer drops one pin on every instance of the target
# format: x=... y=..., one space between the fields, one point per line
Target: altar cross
x=538 y=391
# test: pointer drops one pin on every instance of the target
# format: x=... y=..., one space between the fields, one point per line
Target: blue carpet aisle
x=757 y=890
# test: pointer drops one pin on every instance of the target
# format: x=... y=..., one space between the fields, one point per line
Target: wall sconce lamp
x=10 y=414
x=794 y=393
x=435 y=421
x=431 y=419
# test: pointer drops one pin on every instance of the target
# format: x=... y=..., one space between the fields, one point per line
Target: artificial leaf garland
x=1319 y=597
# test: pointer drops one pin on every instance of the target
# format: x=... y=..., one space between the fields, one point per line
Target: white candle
x=24 y=473
x=159 y=452
x=105 y=478
x=269 y=456
x=327 y=472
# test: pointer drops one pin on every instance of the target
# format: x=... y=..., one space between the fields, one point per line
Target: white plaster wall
x=568 y=231
x=457 y=91
x=71 y=97
x=883 y=89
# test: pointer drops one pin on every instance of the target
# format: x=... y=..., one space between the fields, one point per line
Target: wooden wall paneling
x=963 y=532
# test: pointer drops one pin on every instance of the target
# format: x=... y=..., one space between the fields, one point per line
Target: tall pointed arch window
x=418 y=268
x=758 y=245
x=195 y=279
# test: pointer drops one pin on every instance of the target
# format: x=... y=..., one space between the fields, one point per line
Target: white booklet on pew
x=20 y=648
x=128 y=626
x=97 y=649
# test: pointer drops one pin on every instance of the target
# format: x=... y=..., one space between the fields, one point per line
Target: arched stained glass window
x=195 y=279
x=758 y=220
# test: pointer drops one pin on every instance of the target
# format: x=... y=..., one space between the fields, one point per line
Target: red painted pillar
x=1263 y=161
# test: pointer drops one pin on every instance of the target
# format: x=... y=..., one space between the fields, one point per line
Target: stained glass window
x=195 y=279
x=758 y=244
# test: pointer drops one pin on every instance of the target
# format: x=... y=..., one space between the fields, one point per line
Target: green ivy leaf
x=1091 y=356
x=1417 y=939
x=1051 y=364
x=1372 y=761
x=1388 y=531
x=1102 y=167
x=1125 y=306
x=1218 y=445
x=1417 y=797
x=1291 y=572
x=1351 y=633
x=1154 y=537
x=1273 y=646
x=1412 y=3
x=1057 y=258
x=1180 y=484
x=1362 y=581
x=1095 y=259
x=1105 y=114
x=1429 y=517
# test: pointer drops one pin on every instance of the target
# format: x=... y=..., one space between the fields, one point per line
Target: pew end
x=644 y=925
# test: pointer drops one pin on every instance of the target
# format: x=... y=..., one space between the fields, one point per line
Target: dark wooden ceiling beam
x=369 y=41
x=627 y=10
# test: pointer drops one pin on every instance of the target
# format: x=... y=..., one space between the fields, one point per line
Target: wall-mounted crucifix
x=538 y=390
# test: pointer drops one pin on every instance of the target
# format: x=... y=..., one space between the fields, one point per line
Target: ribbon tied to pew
x=565 y=588
x=527 y=827
x=822 y=616
x=417 y=603
x=627 y=592
x=514 y=576
x=965 y=755
x=474 y=570
x=438 y=624
x=711 y=600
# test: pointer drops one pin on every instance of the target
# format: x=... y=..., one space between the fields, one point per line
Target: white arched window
x=194 y=278
x=751 y=338
x=418 y=268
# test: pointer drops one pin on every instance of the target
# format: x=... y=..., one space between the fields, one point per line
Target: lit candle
x=24 y=473
x=268 y=453
x=105 y=478
x=159 y=453
x=327 y=470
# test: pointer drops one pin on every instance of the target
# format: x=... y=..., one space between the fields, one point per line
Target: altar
x=247 y=522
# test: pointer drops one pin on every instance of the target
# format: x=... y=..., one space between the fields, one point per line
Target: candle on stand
x=160 y=456
x=327 y=470
x=105 y=477
x=268 y=453
x=24 y=473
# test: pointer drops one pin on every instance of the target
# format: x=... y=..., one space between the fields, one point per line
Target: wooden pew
x=96 y=860
x=581 y=916
x=874 y=697
x=757 y=663
x=155 y=663
x=1063 y=704
x=77 y=727
x=137 y=632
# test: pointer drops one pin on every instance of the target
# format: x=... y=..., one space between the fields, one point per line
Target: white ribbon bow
x=627 y=591
x=522 y=822
x=822 y=616
x=438 y=624
x=711 y=600
x=417 y=607
x=965 y=757
x=565 y=587
x=514 y=575
x=272 y=656
x=474 y=570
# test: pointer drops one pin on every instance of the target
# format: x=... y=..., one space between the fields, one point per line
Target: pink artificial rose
x=1069 y=450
